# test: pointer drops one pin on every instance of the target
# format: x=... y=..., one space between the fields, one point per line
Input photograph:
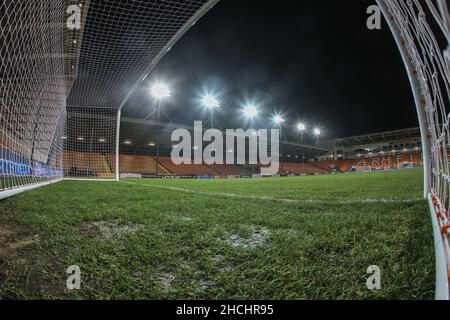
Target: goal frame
x=435 y=182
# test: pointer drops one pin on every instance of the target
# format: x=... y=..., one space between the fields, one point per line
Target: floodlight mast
x=302 y=127
x=250 y=111
x=278 y=120
x=211 y=103
x=159 y=91
x=317 y=132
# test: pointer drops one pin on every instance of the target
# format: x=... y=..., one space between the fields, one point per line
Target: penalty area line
x=285 y=200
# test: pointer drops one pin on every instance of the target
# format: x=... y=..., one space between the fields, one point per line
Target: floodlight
x=317 y=131
x=278 y=119
x=301 y=126
x=160 y=90
x=210 y=102
x=250 y=111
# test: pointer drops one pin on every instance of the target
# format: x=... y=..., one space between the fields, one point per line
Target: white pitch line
x=243 y=196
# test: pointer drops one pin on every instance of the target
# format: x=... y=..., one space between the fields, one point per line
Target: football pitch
x=272 y=238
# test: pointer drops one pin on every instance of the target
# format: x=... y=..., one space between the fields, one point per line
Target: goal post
x=363 y=168
x=421 y=30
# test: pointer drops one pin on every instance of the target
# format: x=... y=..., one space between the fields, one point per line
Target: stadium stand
x=230 y=170
x=140 y=164
x=335 y=165
x=300 y=168
x=389 y=161
x=381 y=161
x=86 y=164
x=187 y=169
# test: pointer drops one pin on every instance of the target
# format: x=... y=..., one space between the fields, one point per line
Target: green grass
x=313 y=238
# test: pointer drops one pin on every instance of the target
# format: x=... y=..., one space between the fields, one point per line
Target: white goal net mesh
x=423 y=33
x=33 y=90
x=66 y=69
x=90 y=143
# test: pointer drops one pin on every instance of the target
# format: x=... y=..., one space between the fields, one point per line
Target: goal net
x=363 y=168
x=405 y=165
x=90 y=143
x=422 y=32
x=33 y=88
x=65 y=74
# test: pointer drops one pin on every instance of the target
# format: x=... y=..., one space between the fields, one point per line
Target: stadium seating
x=389 y=161
x=339 y=165
x=140 y=164
x=300 y=168
x=374 y=162
x=187 y=169
x=229 y=170
x=87 y=164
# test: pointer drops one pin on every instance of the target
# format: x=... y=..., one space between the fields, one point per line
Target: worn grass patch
x=221 y=239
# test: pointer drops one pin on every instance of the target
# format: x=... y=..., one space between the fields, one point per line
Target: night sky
x=313 y=61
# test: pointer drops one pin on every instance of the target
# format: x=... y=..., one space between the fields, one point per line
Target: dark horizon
x=315 y=62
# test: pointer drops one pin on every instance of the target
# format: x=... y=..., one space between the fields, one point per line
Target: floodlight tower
x=278 y=120
x=159 y=91
x=211 y=103
x=250 y=112
x=301 y=127
x=317 y=133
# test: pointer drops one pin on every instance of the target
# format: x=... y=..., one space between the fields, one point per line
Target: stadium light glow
x=210 y=102
x=317 y=131
x=160 y=90
x=277 y=119
x=250 y=111
x=151 y=144
x=102 y=140
x=301 y=126
x=127 y=142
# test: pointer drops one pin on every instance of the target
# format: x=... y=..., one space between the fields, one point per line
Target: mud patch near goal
x=256 y=238
x=12 y=241
x=109 y=230
x=165 y=280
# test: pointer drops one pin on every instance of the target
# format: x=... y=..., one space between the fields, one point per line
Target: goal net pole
x=117 y=151
x=413 y=24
